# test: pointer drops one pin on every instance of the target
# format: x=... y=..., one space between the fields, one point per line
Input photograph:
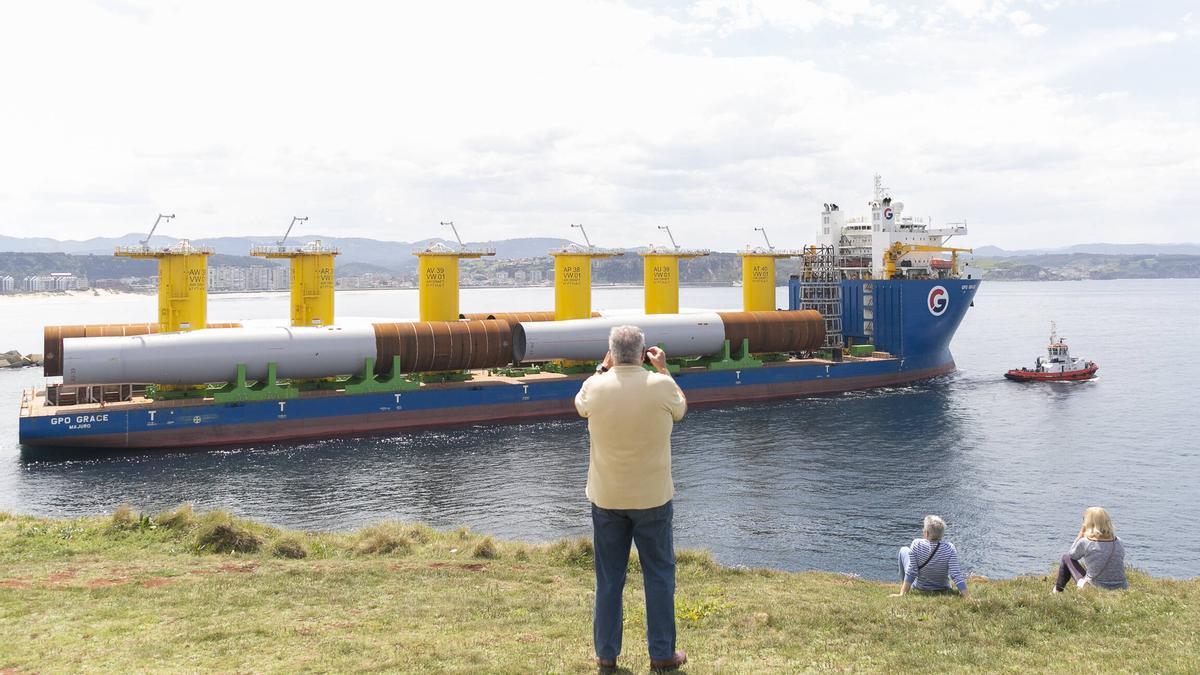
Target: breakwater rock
x=14 y=359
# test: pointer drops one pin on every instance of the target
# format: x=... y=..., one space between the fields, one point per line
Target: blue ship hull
x=913 y=321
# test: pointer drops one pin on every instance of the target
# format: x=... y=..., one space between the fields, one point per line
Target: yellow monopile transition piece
x=573 y=281
x=758 y=283
x=312 y=281
x=437 y=280
x=660 y=278
x=182 y=283
x=758 y=277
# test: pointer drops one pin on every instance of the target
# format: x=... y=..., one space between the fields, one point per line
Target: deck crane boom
x=898 y=251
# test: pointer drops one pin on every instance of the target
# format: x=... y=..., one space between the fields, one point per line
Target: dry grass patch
x=80 y=595
x=486 y=549
x=383 y=538
x=576 y=552
x=180 y=518
x=124 y=518
x=289 y=546
x=218 y=532
x=695 y=558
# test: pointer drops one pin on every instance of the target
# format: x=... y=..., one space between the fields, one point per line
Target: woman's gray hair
x=935 y=527
x=627 y=344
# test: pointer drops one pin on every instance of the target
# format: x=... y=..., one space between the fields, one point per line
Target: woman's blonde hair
x=1097 y=524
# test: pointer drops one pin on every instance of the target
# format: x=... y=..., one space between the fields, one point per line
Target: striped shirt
x=933 y=575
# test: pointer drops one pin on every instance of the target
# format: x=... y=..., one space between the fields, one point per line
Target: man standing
x=630 y=413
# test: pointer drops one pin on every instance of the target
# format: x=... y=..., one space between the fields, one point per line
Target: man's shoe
x=673 y=663
x=607 y=666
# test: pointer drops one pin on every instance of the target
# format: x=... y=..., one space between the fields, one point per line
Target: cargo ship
x=876 y=304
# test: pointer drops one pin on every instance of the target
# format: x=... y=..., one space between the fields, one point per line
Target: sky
x=1043 y=123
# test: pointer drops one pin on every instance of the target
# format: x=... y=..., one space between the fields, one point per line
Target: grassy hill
x=173 y=593
x=1054 y=267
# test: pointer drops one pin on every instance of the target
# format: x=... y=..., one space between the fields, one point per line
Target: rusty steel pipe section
x=782 y=331
x=443 y=345
x=53 y=336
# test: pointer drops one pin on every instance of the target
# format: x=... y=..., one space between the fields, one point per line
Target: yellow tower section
x=182 y=283
x=312 y=281
x=660 y=278
x=573 y=280
x=437 y=280
x=758 y=278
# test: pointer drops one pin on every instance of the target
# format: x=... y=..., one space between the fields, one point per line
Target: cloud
x=792 y=15
x=518 y=119
x=1025 y=25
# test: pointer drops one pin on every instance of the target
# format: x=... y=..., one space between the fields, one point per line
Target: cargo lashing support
x=726 y=361
x=566 y=367
x=267 y=389
x=370 y=383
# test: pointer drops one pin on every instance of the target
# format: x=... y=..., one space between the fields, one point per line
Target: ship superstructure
x=861 y=245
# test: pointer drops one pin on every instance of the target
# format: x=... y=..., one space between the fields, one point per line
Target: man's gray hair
x=627 y=344
x=935 y=527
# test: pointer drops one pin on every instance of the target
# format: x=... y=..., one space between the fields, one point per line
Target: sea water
x=833 y=483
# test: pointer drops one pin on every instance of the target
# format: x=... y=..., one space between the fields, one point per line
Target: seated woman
x=1097 y=557
x=929 y=564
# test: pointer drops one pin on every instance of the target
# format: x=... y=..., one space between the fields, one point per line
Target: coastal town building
x=55 y=281
x=225 y=278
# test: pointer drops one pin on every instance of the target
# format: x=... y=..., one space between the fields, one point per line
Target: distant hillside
x=1057 y=267
x=392 y=255
x=717 y=268
x=1099 y=248
x=94 y=258
x=21 y=265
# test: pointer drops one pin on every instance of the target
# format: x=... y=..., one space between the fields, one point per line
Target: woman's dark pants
x=1068 y=568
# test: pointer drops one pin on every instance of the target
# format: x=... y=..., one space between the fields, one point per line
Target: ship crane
x=898 y=251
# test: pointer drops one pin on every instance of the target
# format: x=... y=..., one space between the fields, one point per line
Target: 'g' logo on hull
x=938 y=300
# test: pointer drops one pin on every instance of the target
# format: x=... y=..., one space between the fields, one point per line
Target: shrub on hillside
x=219 y=533
x=289 y=546
x=124 y=518
x=486 y=548
x=383 y=538
x=179 y=518
x=577 y=552
x=420 y=534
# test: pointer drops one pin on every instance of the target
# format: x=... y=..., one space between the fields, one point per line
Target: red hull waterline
x=349 y=426
x=1068 y=376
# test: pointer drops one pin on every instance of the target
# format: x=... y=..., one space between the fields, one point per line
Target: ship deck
x=34 y=402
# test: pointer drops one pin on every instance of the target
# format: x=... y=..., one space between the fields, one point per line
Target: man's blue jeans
x=612 y=532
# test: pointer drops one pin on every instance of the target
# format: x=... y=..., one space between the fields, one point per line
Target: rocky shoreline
x=14 y=359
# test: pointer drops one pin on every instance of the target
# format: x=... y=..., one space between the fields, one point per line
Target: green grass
x=137 y=593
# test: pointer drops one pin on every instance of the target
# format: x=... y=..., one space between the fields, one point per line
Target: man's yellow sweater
x=630 y=413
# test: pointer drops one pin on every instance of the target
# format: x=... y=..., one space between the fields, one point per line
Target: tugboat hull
x=1064 y=376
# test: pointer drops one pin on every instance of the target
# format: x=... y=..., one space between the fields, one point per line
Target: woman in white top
x=1097 y=558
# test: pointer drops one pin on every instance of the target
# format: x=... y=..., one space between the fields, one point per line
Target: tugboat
x=1056 y=366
